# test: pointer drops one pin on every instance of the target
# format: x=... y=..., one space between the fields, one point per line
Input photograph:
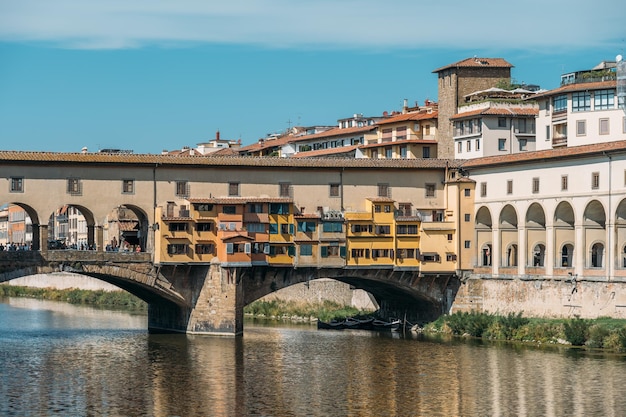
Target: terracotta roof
x=542 y=156
x=398 y=142
x=409 y=116
x=57 y=158
x=478 y=63
x=498 y=111
x=225 y=152
x=128 y=226
x=322 y=152
x=331 y=133
x=568 y=88
x=266 y=143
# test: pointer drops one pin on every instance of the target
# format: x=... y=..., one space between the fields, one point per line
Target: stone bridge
x=209 y=299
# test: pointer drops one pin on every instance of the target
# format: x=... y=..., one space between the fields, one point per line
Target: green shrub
x=576 y=331
x=597 y=335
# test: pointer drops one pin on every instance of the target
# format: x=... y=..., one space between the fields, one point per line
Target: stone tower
x=455 y=82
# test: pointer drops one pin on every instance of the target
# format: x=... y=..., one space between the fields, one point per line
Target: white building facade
x=552 y=213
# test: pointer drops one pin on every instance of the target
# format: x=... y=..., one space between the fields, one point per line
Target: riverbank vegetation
x=604 y=332
x=301 y=311
x=116 y=300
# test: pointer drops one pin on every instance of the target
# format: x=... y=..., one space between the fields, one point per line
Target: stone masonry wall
x=542 y=298
x=318 y=290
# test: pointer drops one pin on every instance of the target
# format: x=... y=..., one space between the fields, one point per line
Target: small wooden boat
x=361 y=324
x=333 y=324
x=381 y=325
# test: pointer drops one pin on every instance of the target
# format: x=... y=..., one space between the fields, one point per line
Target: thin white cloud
x=361 y=24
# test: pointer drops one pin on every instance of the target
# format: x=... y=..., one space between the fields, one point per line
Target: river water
x=62 y=360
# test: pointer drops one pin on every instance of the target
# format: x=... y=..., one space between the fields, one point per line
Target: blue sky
x=149 y=75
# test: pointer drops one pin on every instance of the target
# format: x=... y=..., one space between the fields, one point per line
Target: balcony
x=562 y=141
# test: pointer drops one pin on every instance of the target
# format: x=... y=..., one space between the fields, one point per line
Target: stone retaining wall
x=543 y=298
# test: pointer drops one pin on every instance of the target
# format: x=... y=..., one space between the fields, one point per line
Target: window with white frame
x=595 y=180
x=535 y=185
x=581 y=127
x=604 y=126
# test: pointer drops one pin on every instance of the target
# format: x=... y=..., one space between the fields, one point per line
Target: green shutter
x=291 y=250
x=324 y=251
x=342 y=251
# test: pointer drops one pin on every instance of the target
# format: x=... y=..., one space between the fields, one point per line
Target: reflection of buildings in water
x=522 y=380
x=208 y=367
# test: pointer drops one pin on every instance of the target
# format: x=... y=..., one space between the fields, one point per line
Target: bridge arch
x=31 y=219
x=126 y=227
x=398 y=293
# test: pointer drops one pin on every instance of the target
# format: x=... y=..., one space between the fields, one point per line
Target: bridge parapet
x=36 y=257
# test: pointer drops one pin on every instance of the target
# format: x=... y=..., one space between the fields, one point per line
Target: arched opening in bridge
x=125 y=228
x=71 y=227
x=19 y=227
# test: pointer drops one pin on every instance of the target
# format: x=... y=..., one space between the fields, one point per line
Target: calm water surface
x=58 y=359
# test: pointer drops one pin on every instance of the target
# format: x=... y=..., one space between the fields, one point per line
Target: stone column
x=41 y=242
x=522 y=250
x=99 y=238
x=496 y=251
x=549 y=256
x=610 y=262
x=579 y=250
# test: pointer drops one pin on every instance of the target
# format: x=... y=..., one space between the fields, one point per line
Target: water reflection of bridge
x=210 y=298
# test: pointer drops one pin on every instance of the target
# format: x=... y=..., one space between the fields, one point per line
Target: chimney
x=405 y=106
x=217 y=135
